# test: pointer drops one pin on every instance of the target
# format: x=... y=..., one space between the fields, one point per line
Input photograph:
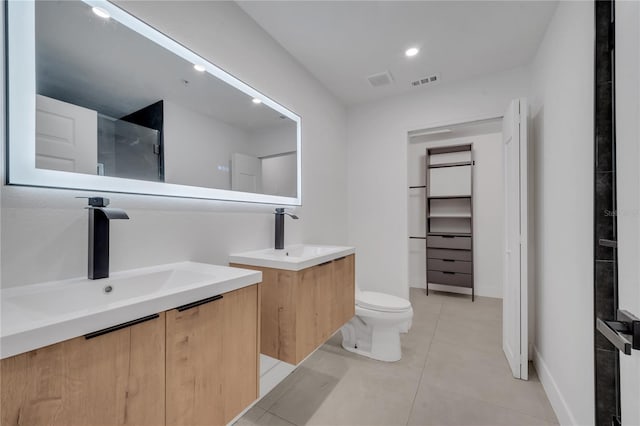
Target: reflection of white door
x=628 y=192
x=66 y=136
x=515 y=293
x=246 y=173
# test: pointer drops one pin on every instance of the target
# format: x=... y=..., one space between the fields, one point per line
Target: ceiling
x=343 y=42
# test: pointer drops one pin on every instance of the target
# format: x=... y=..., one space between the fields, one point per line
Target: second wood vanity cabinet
x=300 y=310
x=193 y=365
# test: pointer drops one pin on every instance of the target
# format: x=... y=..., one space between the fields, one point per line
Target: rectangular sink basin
x=292 y=258
x=84 y=295
x=40 y=314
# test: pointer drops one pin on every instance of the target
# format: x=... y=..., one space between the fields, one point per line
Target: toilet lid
x=381 y=302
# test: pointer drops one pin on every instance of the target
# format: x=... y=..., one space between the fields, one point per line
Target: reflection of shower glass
x=129 y=150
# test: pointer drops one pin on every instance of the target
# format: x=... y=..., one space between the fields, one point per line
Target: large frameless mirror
x=99 y=100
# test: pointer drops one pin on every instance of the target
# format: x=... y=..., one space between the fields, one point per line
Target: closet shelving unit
x=449 y=216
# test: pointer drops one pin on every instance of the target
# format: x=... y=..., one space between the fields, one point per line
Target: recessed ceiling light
x=101 y=12
x=412 y=51
x=256 y=101
x=199 y=67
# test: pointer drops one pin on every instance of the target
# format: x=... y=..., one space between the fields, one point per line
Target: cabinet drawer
x=449 y=278
x=449 y=254
x=450 y=242
x=450 y=266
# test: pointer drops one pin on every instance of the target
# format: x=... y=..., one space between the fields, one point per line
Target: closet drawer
x=449 y=278
x=450 y=242
x=450 y=266
x=449 y=254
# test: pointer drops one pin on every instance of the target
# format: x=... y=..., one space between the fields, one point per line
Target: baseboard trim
x=558 y=403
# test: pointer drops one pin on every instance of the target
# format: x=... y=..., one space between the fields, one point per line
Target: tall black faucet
x=99 y=217
x=280 y=227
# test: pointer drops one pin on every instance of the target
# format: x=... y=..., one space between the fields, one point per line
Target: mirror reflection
x=112 y=102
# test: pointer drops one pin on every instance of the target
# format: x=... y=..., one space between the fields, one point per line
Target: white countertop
x=38 y=315
x=292 y=258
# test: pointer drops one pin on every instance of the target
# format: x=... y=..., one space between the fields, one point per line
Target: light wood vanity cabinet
x=212 y=359
x=300 y=310
x=112 y=379
x=206 y=354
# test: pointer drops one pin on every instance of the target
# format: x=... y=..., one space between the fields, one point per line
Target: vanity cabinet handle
x=325 y=263
x=448 y=260
x=120 y=326
x=198 y=303
x=448 y=273
x=340 y=258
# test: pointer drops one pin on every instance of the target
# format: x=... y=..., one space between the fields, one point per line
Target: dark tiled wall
x=605 y=258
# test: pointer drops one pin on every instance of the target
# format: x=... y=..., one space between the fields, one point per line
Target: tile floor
x=452 y=372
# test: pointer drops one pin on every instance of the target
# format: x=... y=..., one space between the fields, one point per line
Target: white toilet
x=375 y=330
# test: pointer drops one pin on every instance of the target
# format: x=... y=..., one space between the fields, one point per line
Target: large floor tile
x=276 y=393
x=251 y=417
x=470 y=335
x=269 y=419
x=481 y=376
x=435 y=406
x=369 y=395
x=483 y=309
x=452 y=372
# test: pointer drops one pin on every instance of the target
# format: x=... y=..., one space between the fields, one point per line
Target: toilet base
x=378 y=342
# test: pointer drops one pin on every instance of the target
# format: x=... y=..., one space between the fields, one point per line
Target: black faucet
x=99 y=217
x=280 y=227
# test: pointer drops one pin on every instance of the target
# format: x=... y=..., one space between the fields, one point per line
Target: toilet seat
x=381 y=302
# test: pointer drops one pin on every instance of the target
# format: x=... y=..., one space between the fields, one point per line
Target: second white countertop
x=291 y=258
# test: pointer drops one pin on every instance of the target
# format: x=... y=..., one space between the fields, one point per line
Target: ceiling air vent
x=380 y=79
x=430 y=79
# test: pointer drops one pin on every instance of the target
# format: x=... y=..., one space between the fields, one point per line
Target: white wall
x=377 y=175
x=279 y=175
x=195 y=145
x=270 y=143
x=272 y=140
x=44 y=231
x=562 y=118
x=488 y=213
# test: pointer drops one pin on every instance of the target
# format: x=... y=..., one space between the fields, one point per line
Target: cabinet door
x=112 y=379
x=278 y=314
x=194 y=365
x=240 y=350
x=326 y=302
x=306 y=313
x=344 y=272
x=212 y=359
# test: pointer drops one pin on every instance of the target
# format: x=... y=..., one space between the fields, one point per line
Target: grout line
x=281 y=418
x=424 y=365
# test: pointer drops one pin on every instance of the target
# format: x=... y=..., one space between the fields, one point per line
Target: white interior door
x=246 y=173
x=515 y=295
x=628 y=192
x=66 y=136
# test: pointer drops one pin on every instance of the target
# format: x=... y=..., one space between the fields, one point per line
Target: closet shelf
x=441 y=165
x=450 y=216
x=449 y=234
x=448 y=197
